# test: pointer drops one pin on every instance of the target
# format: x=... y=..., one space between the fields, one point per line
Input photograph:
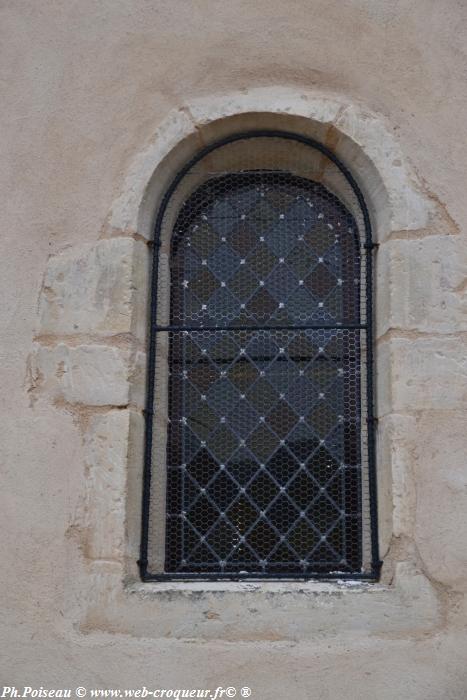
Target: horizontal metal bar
x=317 y=327
x=344 y=576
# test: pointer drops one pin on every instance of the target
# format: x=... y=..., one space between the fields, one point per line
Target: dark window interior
x=264 y=454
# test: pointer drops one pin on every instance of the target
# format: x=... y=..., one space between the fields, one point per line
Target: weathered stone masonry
x=89 y=360
x=102 y=102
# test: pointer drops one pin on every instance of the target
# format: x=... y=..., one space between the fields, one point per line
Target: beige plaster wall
x=94 y=96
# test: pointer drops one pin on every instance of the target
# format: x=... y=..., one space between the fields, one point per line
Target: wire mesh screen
x=259 y=459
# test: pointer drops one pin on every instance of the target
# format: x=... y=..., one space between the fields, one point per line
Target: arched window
x=261 y=452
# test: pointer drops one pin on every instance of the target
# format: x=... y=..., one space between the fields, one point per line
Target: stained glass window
x=265 y=445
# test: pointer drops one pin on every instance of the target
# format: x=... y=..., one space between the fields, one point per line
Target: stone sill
x=264 y=610
x=150 y=589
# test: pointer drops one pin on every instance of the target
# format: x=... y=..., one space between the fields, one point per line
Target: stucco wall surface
x=94 y=97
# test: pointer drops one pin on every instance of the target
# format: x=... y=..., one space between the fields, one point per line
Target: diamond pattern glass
x=264 y=456
x=264 y=249
x=262 y=467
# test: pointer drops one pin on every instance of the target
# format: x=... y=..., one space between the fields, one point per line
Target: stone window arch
x=259 y=453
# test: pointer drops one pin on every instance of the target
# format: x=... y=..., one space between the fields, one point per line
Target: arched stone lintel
x=361 y=139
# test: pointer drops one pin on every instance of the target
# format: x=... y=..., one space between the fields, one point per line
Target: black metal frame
x=369 y=246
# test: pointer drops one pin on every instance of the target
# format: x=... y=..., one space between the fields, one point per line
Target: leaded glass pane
x=261 y=370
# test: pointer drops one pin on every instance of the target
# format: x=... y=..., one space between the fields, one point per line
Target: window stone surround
x=89 y=359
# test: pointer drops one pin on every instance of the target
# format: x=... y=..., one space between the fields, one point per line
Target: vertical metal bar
x=372 y=475
x=149 y=412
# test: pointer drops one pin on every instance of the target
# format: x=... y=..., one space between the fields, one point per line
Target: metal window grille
x=259 y=442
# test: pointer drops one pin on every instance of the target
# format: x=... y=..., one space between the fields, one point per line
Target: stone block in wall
x=106 y=449
x=408 y=207
x=257 y=612
x=141 y=285
x=421 y=284
x=101 y=290
x=93 y=375
x=421 y=373
x=441 y=496
x=395 y=477
x=135 y=463
x=137 y=379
